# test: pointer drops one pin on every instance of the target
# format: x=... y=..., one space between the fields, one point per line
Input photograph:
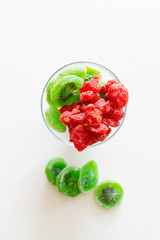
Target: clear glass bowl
x=106 y=75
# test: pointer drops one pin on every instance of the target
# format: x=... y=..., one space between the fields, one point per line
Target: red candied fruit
x=99 y=137
x=94 y=117
x=79 y=118
x=102 y=128
x=83 y=105
x=99 y=104
x=106 y=97
x=107 y=109
x=110 y=122
x=87 y=96
x=81 y=137
x=104 y=88
x=89 y=108
x=76 y=110
x=118 y=114
x=69 y=107
x=96 y=98
x=91 y=85
x=70 y=134
x=66 y=119
x=118 y=94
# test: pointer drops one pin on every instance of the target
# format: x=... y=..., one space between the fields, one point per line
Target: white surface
x=37 y=38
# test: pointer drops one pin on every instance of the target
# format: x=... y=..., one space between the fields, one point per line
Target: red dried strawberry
x=65 y=117
x=87 y=96
x=102 y=128
x=70 y=134
x=81 y=137
x=94 y=117
x=76 y=110
x=83 y=105
x=99 y=104
x=107 y=109
x=79 y=118
x=118 y=114
x=104 y=88
x=118 y=94
x=106 y=97
x=91 y=85
x=96 y=98
x=69 y=107
x=101 y=137
x=110 y=122
x=89 y=108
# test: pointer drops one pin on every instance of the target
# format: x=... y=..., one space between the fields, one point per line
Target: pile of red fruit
x=90 y=121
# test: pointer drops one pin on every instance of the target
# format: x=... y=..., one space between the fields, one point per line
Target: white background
x=37 y=38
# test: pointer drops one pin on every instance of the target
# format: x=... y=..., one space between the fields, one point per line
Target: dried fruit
x=107 y=109
x=109 y=194
x=99 y=104
x=102 y=128
x=52 y=118
x=53 y=168
x=69 y=107
x=81 y=137
x=87 y=96
x=104 y=88
x=67 y=181
x=110 y=122
x=118 y=114
x=66 y=90
x=91 y=85
x=118 y=94
x=96 y=98
x=66 y=119
x=88 y=178
x=79 y=118
x=92 y=73
x=94 y=117
x=89 y=108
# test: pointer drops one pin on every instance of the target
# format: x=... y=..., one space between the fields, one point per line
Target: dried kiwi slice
x=48 y=97
x=88 y=177
x=53 y=168
x=52 y=118
x=66 y=90
x=109 y=194
x=67 y=181
x=79 y=71
x=92 y=73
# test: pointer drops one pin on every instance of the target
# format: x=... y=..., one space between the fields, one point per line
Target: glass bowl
x=106 y=75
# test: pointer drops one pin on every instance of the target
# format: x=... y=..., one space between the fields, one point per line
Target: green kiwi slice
x=108 y=194
x=79 y=71
x=48 y=97
x=53 y=168
x=66 y=90
x=67 y=181
x=92 y=73
x=88 y=177
x=52 y=118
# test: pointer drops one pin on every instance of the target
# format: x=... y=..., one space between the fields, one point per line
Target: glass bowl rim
x=43 y=92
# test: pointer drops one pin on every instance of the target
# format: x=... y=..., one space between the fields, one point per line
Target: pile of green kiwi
x=72 y=181
x=64 y=90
